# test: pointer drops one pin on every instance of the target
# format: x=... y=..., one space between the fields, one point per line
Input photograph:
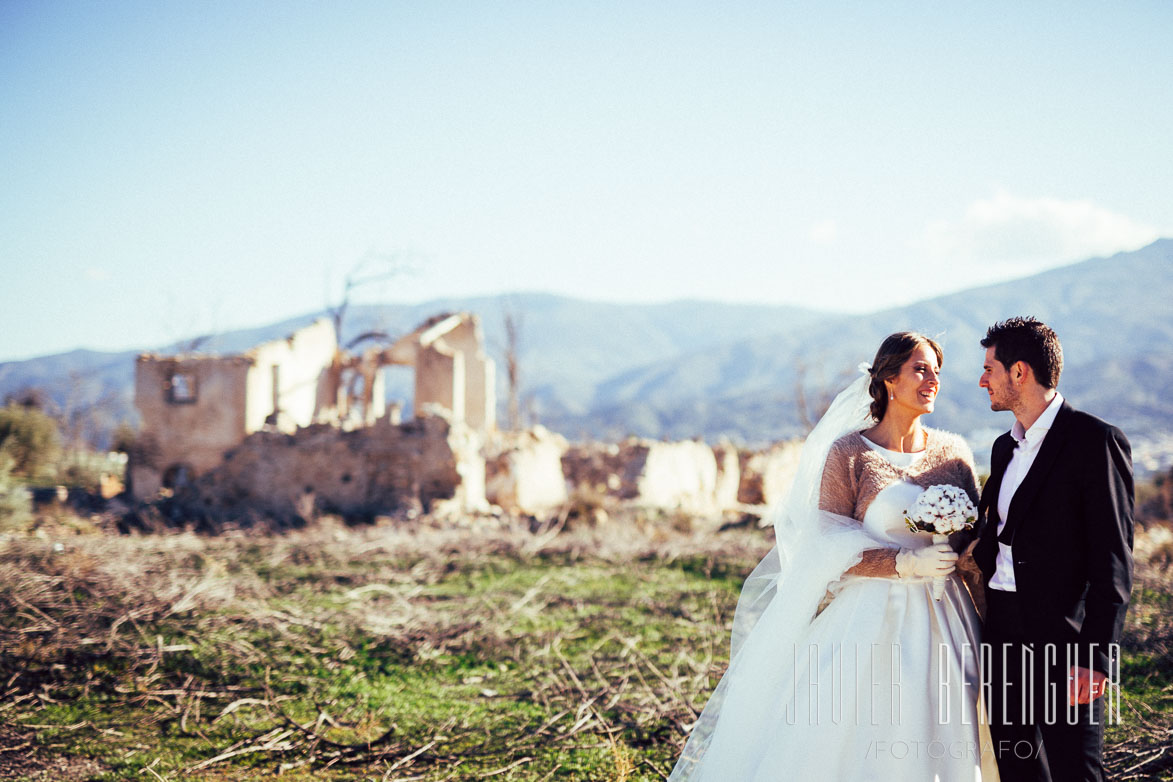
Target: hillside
x=568 y=346
x=696 y=368
x=1111 y=313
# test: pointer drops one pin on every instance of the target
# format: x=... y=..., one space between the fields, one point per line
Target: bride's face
x=915 y=388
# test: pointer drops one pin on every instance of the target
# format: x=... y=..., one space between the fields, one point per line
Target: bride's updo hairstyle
x=893 y=352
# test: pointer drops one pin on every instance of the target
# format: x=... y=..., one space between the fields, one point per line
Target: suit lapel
x=999 y=458
x=988 y=504
x=1048 y=453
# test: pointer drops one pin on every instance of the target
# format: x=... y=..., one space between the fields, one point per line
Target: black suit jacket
x=1070 y=529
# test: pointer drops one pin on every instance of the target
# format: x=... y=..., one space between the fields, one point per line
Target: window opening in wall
x=181 y=388
x=400 y=387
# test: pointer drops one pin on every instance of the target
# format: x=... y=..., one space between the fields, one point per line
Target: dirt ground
x=19 y=759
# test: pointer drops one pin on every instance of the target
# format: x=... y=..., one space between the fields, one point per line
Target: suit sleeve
x=1108 y=505
x=990 y=488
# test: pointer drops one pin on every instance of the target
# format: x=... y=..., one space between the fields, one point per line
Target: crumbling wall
x=452 y=371
x=677 y=476
x=467 y=447
x=524 y=472
x=728 y=474
x=285 y=387
x=767 y=475
x=193 y=409
x=422 y=465
x=605 y=468
x=439 y=381
x=196 y=407
x=688 y=476
x=479 y=375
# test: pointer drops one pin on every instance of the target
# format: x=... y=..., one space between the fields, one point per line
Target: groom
x=1055 y=550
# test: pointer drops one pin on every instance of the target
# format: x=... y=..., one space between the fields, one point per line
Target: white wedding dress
x=882 y=685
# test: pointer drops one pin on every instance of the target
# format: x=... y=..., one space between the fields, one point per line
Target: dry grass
x=121 y=627
x=436 y=651
x=1141 y=747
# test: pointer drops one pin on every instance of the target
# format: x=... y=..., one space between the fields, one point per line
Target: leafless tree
x=813 y=395
x=86 y=415
x=354 y=375
x=370 y=270
x=513 y=326
x=181 y=320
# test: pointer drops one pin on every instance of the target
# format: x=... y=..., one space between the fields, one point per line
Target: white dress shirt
x=1029 y=442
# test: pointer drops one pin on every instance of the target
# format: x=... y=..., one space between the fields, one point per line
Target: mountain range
x=753 y=373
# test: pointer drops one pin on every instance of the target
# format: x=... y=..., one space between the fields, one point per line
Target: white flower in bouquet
x=941 y=510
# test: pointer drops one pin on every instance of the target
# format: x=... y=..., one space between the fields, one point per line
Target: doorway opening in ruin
x=400 y=380
x=177 y=476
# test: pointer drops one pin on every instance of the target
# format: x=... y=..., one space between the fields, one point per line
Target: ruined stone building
x=284 y=404
x=195 y=407
x=452 y=371
x=296 y=427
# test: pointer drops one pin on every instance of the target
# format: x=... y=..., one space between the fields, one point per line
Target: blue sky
x=168 y=168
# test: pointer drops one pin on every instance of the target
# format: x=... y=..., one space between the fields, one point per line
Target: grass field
x=430 y=652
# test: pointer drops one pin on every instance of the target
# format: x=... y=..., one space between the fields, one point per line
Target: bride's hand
x=928 y=562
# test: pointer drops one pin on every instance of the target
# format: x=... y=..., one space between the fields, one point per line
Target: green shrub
x=16 y=506
x=29 y=438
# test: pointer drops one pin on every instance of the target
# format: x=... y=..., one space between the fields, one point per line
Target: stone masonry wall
x=384 y=469
x=524 y=472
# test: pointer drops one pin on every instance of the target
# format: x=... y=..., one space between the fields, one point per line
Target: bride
x=844 y=666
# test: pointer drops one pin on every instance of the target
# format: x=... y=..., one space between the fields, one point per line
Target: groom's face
x=996 y=381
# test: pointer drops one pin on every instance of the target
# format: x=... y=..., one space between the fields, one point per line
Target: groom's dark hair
x=1030 y=341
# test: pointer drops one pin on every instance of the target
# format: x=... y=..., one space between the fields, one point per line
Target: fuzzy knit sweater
x=855 y=474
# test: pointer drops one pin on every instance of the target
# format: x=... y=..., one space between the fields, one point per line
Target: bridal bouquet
x=941 y=510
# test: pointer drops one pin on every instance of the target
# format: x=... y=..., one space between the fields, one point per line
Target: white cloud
x=1029 y=233
x=823 y=233
x=97 y=275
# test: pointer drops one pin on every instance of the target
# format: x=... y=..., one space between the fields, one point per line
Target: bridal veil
x=782 y=595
